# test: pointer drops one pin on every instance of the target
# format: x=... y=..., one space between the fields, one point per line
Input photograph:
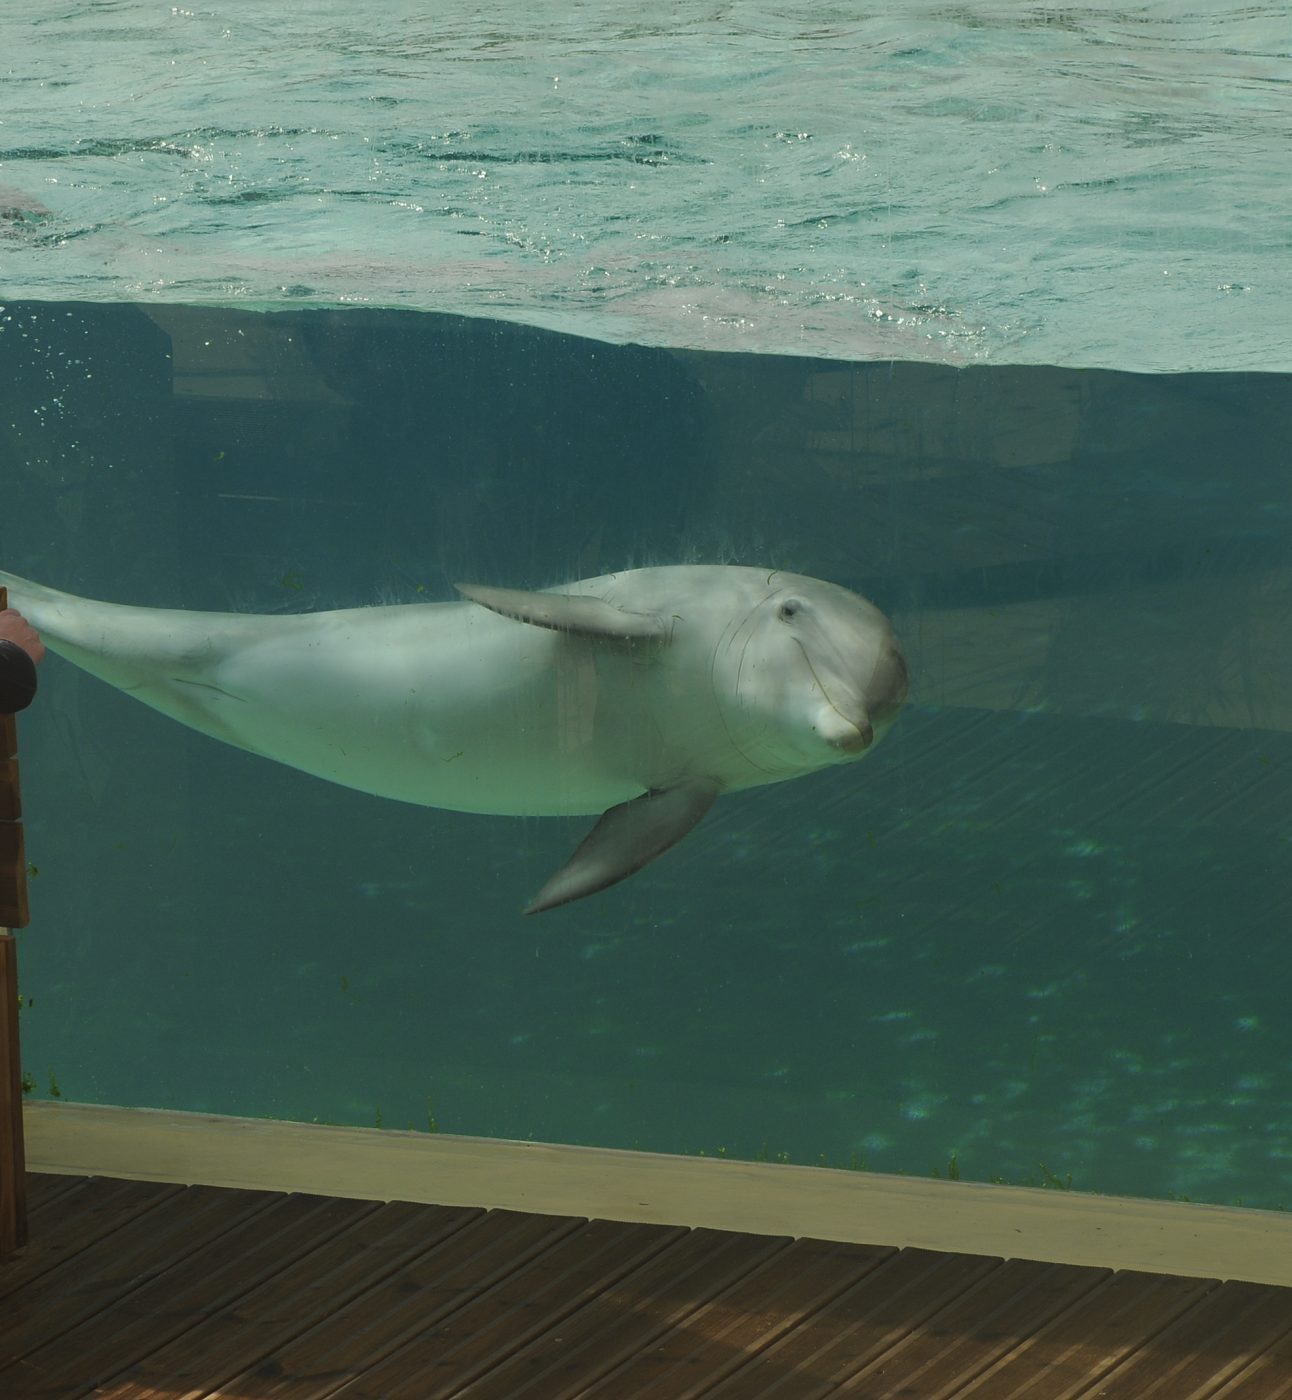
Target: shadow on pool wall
x=1039 y=935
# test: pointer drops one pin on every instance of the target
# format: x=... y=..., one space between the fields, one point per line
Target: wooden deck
x=155 y=1291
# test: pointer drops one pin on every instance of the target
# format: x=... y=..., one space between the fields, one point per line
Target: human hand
x=15 y=628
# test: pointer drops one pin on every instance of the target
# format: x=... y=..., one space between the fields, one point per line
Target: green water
x=1043 y=929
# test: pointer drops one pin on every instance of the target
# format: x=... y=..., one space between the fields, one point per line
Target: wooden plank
x=45 y=1190
x=10 y=788
x=13 y=856
x=13 y=1166
x=1267 y=1376
x=1212 y=1342
x=1086 y=1341
x=165 y=1304
x=13 y=877
x=537 y=1304
x=134 y=1291
x=95 y=1211
x=733 y=1329
x=113 y=1267
x=626 y=1315
x=865 y=1321
x=220 y=1342
x=365 y=1331
x=936 y=1361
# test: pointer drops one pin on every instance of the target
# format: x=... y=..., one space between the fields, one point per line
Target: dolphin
x=640 y=695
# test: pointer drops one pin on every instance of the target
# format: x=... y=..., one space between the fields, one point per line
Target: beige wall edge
x=760 y=1198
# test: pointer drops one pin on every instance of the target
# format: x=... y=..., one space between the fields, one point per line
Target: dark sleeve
x=17 y=678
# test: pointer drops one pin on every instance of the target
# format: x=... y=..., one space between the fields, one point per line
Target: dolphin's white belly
x=472 y=712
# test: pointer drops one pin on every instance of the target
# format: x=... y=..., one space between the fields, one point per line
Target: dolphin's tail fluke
x=106 y=639
x=120 y=644
x=31 y=599
x=164 y=657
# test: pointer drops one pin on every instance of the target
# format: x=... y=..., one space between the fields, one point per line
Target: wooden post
x=13 y=914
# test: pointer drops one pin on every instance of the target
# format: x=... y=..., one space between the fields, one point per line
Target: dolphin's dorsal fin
x=564 y=612
x=625 y=839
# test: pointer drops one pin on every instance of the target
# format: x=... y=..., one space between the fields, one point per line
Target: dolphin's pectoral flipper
x=625 y=839
x=561 y=612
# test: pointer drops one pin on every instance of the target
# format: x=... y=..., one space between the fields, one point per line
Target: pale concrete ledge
x=760 y=1198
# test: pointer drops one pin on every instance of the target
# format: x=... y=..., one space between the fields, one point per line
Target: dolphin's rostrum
x=641 y=695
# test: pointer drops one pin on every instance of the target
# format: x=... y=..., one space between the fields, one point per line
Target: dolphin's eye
x=789 y=610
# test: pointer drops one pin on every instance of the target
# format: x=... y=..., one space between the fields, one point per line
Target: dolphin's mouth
x=853 y=718
x=845 y=728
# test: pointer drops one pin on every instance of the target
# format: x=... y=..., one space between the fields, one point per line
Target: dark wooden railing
x=13 y=914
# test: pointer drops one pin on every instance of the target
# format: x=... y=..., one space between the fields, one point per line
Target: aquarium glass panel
x=900 y=777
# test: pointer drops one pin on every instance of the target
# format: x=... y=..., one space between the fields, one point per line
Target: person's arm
x=20 y=650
